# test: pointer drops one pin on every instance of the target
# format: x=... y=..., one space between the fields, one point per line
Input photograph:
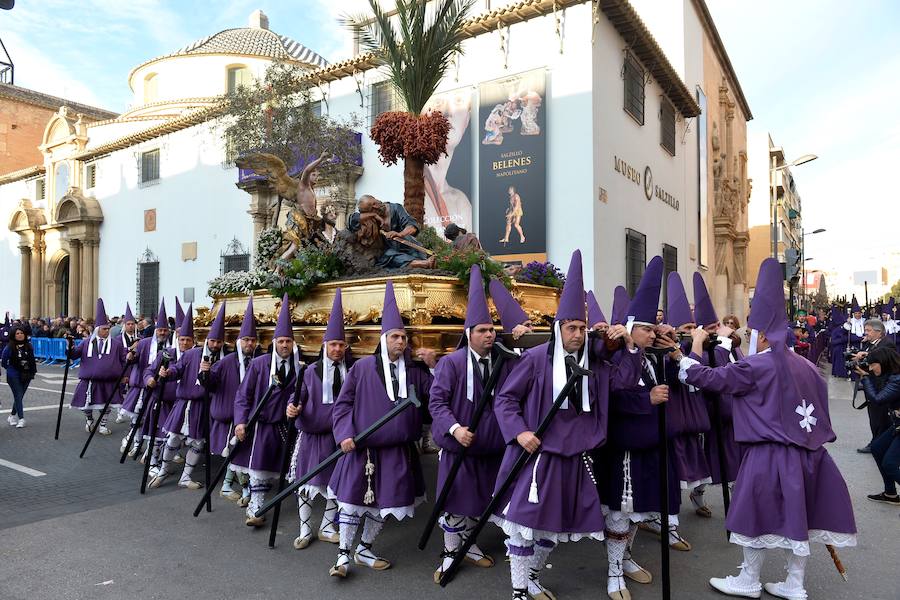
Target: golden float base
x=434 y=306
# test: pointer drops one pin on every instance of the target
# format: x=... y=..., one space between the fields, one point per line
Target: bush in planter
x=541 y=273
x=459 y=262
x=298 y=276
x=267 y=246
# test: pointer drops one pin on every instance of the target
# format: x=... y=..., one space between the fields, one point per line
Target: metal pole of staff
x=62 y=394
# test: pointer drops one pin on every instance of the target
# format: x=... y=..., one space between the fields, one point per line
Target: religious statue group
x=555 y=443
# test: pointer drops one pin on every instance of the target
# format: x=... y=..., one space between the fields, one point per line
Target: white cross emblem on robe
x=805 y=410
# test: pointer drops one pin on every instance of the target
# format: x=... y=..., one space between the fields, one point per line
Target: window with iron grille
x=635 y=259
x=316 y=108
x=633 y=74
x=148 y=283
x=40 y=189
x=670 y=265
x=149 y=167
x=667 y=125
x=235 y=258
x=382 y=98
x=90 y=176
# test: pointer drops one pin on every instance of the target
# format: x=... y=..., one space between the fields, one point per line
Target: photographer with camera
x=881 y=384
x=874 y=336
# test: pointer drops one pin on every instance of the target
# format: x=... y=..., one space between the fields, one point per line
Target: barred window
x=635 y=259
x=382 y=98
x=667 y=125
x=90 y=176
x=235 y=258
x=40 y=189
x=149 y=167
x=148 y=283
x=633 y=74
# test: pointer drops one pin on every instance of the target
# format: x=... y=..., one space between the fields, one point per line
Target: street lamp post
x=803 y=259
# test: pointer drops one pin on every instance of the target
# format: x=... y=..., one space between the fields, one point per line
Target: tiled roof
x=249 y=41
x=41 y=99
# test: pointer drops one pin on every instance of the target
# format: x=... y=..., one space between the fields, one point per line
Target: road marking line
x=45 y=407
x=32 y=387
x=21 y=469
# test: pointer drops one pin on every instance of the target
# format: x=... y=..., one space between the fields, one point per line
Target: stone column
x=74 y=275
x=87 y=284
x=95 y=269
x=25 y=282
x=36 y=279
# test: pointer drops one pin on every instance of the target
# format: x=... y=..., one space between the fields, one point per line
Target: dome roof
x=255 y=40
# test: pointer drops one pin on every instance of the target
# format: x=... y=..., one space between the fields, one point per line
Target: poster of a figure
x=448 y=182
x=512 y=207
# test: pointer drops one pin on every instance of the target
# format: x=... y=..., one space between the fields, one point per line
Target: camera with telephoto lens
x=851 y=364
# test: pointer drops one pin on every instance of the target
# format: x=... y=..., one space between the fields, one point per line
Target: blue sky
x=820 y=75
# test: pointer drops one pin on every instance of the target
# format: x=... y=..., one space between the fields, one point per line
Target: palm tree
x=417 y=48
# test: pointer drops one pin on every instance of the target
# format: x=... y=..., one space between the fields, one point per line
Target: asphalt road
x=77 y=529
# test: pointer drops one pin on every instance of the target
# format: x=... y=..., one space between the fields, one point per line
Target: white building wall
x=618 y=135
x=10 y=257
x=195 y=200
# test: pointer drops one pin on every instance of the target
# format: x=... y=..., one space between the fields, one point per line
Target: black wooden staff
x=521 y=461
x=659 y=368
x=483 y=401
x=412 y=400
x=103 y=412
x=138 y=421
x=207 y=459
x=234 y=442
x=154 y=421
x=717 y=427
x=62 y=394
x=286 y=457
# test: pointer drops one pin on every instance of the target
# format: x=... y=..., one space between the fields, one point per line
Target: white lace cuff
x=798 y=547
x=686 y=363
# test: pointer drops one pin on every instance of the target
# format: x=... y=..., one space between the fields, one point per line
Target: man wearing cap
x=146 y=351
x=781 y=413
x=596 y=319
x=629 y=482
x=320 y=387
x=185 y=423
x=555 y=499
x=225 y=377
x=261 y=456
x=459 y=381
x=102 y=372
x=621 y=300
x=383 y=477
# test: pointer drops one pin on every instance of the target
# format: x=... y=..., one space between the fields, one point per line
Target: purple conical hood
x=101 y=320
x=645 y=303
x=767 y=314
x=162 y=320
x=217 y=329
x=704 y=312
x=186 y=329
x=571 y=300
x=179 y=313
x=283 y=328
x=838 y=316
x=511 y=313
x=390 y=314
x=855 y=305
x=335 y=330
x=621 y=300
x=477 y=312
x=890 y=306
x=679 y=311
x=595 y=313
x=248 y=324
x=128 y=314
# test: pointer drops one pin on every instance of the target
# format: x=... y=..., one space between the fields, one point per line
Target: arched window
x=238 y=75
x=150 y=88
x=148 y=283
x=234 y=258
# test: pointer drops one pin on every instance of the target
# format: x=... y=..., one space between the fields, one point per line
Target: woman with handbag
x=18 y=360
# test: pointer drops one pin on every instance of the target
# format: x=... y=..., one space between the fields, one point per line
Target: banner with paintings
x=448 y=182
x=512 y=161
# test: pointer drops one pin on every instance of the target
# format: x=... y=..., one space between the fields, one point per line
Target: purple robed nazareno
x=261 y=453
x=449 y=405
x=788 y=485
x=168 y=395
x=733 y=451
x=225 y=378
x=568 y=506
x=99 y=374
x=189 y=396
x=136 y=392
x=316 y=440
x=397 y=482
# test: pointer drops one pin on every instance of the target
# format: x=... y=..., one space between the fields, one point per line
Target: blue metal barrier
x=51 y=350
